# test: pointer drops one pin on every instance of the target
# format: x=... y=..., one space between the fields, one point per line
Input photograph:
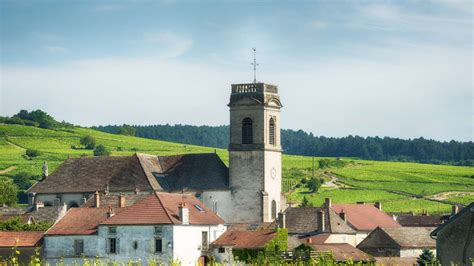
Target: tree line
x=303 y=143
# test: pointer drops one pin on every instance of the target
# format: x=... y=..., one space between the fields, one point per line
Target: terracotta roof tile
x=79 y=221
x=245 y=239
x=162 y=208
x=365 y=217
x=343 y=252
x=20 y=239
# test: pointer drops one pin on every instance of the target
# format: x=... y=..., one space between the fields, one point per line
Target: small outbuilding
x=398 y=242
x=26 y=242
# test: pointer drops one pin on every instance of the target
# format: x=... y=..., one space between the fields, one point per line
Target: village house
x=398 y=242
x=250 y=186
x=237 y=245
x=336 y=223
x=341 y=252
x=163 y=227
x=455 y=238
x=28 y=243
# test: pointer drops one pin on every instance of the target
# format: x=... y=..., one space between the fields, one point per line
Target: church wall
x=246 y=183
x=223 y=200
x=238 y=115
x=272 y=184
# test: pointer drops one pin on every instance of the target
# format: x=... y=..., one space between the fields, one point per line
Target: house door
x=204 y=242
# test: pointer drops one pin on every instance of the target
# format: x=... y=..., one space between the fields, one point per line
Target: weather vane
x=254 y=63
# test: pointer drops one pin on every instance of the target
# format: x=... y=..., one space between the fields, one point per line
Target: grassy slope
x=394 y=184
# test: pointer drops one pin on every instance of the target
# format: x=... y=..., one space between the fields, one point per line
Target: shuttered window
x=247 y=131
x=271 y=131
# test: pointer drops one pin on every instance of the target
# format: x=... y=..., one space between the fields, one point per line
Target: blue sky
x=386 y=68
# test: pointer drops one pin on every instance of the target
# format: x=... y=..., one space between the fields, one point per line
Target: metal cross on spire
x=254 y=63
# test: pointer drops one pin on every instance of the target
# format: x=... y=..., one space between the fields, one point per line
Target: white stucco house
x=163 y=227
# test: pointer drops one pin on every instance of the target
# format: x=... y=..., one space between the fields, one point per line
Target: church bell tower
x=255 y=152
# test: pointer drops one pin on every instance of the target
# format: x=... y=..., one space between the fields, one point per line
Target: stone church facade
x=248 y=191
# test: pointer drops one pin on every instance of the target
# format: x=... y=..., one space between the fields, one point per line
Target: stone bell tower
x=255 y=152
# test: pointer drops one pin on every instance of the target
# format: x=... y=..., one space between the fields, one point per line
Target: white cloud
x=319 y=25
x=55 y=49
x=169 y=44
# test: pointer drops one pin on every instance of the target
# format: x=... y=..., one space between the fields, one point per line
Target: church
x=248 y=191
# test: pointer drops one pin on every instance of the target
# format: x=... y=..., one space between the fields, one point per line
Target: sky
x=369 y=68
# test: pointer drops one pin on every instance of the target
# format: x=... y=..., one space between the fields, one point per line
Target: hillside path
x=8 y=169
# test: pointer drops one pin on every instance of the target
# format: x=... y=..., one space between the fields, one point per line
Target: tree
x=32 y=153
x=8 y=192
x=24 y=180
x=101 y=150
x=426 y=258
x=127 y=130
x=314 y=184
x=306 y=203
x=88 y=142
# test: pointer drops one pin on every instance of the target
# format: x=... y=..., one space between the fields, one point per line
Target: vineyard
x=399 y=186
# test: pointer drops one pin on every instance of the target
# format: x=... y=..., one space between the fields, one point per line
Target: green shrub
x=8 y=192
x=88 y=142
x=32 y=153
x=101 y=150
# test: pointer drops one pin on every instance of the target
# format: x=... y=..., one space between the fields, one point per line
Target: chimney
x=327 y=202
x=39 y=204
x=110 y=212
x=281 y=220
x=45 y=170
x=97 y=199
x=378 y=205
x=183 y=213
x=309 y=240
x=137 y=191
x=121 y=200
x=343 y=216
x=83 y=201
x=454 y=210
x=321 y=221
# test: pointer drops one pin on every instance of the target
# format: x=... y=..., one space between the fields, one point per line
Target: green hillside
x=399 y=186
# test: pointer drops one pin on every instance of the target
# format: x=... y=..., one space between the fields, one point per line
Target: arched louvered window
x=272 y=131
x=274 y=210
x=247 y=131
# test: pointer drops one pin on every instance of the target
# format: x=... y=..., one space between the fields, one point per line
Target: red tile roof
x=365 y=217
x=162 y=208
x=245 y=239
x=20 y=239
x=343 y=252
x=79 y=221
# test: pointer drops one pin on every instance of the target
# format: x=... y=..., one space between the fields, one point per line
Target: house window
x=112 y=230
x=221 y=250
x=113 y=245
x=78 y=247
x=135 y=245
x=204 y=242
x=272 y=131
x=158 y=245
x=274 y=209
x=214 y=206
x=158 y=230
x=247 y=131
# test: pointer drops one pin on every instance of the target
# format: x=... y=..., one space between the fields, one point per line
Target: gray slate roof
x=139 y=171
x=412 y=237
x=304 y=220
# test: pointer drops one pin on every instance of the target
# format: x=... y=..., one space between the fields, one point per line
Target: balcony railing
x=253 y=88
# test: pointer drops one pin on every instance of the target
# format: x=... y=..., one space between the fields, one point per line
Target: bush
x=313 y=184
x=24 y=180
x=101 y=150
x=426 y=258
x=32 y=153
x=8 y=192
x=15 y=120
x=88 y=142
x=306 y=203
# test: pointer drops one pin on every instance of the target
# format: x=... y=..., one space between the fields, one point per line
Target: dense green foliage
x=303 y=143
x=278 y=244
x=426 y=258
x=35 y=118
x=88 y=142
x=101 y=150
x=15 y=224
x=32 y=153
x=8 y=192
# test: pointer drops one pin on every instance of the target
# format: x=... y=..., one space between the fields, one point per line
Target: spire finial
x=254 y=63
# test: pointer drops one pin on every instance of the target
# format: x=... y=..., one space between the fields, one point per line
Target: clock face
x=273 y=172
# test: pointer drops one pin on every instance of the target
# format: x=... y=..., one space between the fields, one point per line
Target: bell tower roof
x=261 y=93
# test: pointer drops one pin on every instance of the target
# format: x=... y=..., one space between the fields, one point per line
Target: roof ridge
x=164 y=208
